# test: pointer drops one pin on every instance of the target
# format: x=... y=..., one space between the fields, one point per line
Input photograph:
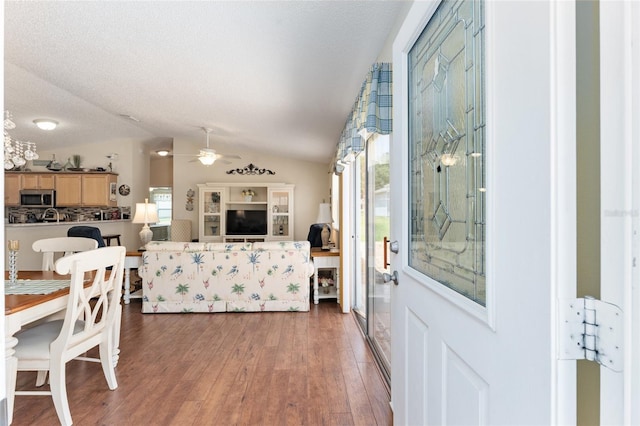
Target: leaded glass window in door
x=446 y=149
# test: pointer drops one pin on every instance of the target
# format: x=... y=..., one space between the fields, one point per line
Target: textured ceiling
x=278 y=77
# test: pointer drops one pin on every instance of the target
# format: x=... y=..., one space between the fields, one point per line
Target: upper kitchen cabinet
x=38 y=181
x=99 y=189
x=11 y=190
x=72 y=189
x=69 y=190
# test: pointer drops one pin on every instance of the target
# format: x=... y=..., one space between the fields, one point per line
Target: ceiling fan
x=207 y=156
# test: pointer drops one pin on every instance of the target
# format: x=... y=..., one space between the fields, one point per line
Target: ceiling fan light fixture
x=45 y=123
x=207 y=160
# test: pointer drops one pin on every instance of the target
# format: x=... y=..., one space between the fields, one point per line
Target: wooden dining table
x=21 y=310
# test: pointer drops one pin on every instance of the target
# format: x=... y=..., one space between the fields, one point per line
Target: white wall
x=161 y=173
x=311 y=180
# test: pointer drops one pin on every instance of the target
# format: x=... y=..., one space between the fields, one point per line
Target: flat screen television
x=246 y=222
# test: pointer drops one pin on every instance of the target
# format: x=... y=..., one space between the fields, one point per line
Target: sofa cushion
x=282 y=245
x=189 y=247
x=174 y=246
x=228 y=247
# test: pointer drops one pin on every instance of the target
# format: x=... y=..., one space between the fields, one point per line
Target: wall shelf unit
x=223 y=208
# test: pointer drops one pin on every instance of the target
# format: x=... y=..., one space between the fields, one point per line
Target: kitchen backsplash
x=66 y=214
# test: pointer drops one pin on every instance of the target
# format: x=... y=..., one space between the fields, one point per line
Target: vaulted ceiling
x=272 y=76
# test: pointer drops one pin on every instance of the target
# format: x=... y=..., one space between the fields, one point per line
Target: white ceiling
x=278 y=77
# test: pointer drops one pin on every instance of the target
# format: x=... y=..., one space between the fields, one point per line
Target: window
x=161 y=196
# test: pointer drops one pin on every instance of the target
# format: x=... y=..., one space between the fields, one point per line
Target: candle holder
x=13 y=246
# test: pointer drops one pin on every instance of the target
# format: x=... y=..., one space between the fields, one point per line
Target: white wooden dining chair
x=57 y=247
x=65 y=245
x=87 y=323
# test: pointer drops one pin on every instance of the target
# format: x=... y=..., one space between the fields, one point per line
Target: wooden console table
x=325 y=259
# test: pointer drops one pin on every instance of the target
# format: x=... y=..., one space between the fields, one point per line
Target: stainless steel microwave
x=38 y=197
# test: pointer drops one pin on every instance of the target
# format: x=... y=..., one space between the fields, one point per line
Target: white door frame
x=620 y=199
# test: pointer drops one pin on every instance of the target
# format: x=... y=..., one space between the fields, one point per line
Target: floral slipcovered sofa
x=219 y=277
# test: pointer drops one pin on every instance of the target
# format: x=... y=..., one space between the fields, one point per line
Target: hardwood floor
x=271 y=368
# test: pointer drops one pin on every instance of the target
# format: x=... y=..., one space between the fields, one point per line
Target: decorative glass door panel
x=280 y=205
x=280 y=225
x=212 y=226
x=446 y=143
x=211 y=213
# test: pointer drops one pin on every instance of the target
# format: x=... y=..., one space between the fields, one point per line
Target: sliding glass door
x=360 y=252
x=378 y=292
x=371 y=227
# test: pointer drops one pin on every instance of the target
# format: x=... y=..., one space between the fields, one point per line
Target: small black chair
x=87 y=232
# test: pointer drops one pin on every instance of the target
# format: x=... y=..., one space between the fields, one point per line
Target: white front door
x=483 y=208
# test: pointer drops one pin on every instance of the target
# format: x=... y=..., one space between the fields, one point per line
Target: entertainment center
x=245 y=212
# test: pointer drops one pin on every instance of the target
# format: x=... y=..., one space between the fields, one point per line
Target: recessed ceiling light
x=162 y=152
x=45 y=123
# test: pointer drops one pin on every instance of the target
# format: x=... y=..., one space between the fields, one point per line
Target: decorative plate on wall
x=124 y=190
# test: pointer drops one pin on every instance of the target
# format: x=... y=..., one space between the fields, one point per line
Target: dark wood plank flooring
x=271 y=368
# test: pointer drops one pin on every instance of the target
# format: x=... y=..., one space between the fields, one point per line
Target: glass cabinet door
x=211 y=213
x=281 y=221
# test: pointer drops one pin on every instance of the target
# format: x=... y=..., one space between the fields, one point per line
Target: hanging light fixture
x=207 y=156
x=45 y=123
x=16 y=153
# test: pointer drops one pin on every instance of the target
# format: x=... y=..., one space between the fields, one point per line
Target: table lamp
x=324 y=217
x=145 y=213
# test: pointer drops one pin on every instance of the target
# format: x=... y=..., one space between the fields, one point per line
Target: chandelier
x=16 y=153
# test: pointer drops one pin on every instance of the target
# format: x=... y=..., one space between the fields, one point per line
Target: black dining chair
x=87 y=232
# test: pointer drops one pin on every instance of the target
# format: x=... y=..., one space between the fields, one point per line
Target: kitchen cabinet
x=72 y=189
x=99 y=189
x=85 y=189
x=69 y=190
x=38 y=181
x=11 y=190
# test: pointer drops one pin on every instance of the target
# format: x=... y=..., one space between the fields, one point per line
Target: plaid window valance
x=371 y=113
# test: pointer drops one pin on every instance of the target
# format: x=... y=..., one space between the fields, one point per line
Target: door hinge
x=591 y=329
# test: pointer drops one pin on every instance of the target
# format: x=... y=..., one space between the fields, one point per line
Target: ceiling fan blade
x=230 y=156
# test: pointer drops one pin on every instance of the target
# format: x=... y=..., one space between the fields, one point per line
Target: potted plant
x=248 y=194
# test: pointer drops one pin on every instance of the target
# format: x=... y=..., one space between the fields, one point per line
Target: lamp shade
x=145 y=213
x=324 y=217
x=324 y=213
